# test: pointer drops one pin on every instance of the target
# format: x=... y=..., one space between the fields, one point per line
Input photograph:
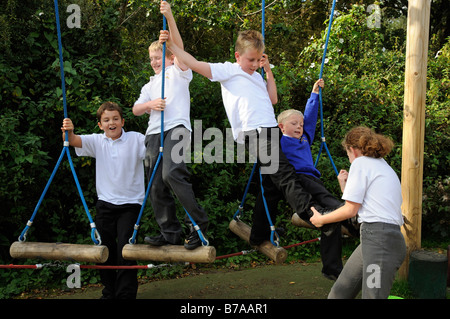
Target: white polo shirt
x=245 y=97
x=119 y=166
x=374 y=184
x=178 y=101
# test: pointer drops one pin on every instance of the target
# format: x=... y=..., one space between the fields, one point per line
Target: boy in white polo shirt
x=120 y=185
x=248 y=101
x=171 y=176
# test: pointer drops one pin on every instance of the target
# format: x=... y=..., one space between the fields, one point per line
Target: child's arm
x=175 y=34
x=342 y=179
x=158 y=104
x=74 y=140
x=185 y=58
x=349 y=210
x=271 y=85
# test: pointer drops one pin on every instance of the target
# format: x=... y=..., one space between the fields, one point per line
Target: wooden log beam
x=169 y=253
x=297 y=221
x=418 y=25
x=277 y=254
x=59 y=251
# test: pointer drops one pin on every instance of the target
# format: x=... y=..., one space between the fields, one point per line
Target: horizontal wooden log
x=169 y=253
x=59 y=251
x=277 y=254
x=297 y=221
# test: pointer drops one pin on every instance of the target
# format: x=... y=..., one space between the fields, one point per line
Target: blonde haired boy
x=171 y=176
x=298 y=135
x=248 y=100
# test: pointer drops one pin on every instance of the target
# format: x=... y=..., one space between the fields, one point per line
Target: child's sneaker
x=192 y=241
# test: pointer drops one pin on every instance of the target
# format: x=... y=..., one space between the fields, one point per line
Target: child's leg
x=126 y=282
x=284 y=177
x=318 y=191
x=331 y=253
x=177 y=177
x=349 y=282
x=161 y=198
x=384 y=249
x=260 y=224
x=331 y=241
x=105 y=221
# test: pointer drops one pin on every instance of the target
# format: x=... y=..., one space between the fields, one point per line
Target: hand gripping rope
x=94 y=233
x=132 y=240
x=323 y=144
x=273 y=233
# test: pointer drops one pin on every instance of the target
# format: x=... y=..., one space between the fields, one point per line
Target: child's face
x=293 y=126
x=249 y=60
x=156 y=61
x=111 y=123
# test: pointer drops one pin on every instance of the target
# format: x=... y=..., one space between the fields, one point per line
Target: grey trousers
x=172 y=180
x=372 y=266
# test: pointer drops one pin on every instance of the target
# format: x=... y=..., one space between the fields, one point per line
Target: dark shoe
x=329 y=276
x=192 y=241
x=255 y=242
x=156 y=240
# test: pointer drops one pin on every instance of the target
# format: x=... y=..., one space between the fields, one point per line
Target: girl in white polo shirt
x=372 y=190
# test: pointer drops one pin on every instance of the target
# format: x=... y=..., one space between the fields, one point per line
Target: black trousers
x=172 y=179
x=115 y=224
x=301 y=192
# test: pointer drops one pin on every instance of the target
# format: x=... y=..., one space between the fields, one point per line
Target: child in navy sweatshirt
x=298 y=134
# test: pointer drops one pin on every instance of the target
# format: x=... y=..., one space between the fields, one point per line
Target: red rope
x=285 y=247
x=116 y=267
x=20 y=266
x=302 y=243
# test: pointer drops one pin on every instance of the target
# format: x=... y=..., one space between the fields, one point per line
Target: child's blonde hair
x=156 y=46
x=283 y=116
x=249 y=39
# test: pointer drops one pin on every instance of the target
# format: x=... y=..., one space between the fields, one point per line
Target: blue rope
x=241 y=207
x=158 y=160
x=323 y=144
x=95 y=236
x=273 y=233
x=132 y=240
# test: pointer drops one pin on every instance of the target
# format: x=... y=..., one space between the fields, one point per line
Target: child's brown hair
x=110 y=106
x=370 y=143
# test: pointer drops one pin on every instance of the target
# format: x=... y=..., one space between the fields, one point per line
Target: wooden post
x=277 y=254
x=414 y=124
x=169 y=253
x=59 y=251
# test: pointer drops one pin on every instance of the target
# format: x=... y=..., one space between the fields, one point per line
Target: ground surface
x=288 y=281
